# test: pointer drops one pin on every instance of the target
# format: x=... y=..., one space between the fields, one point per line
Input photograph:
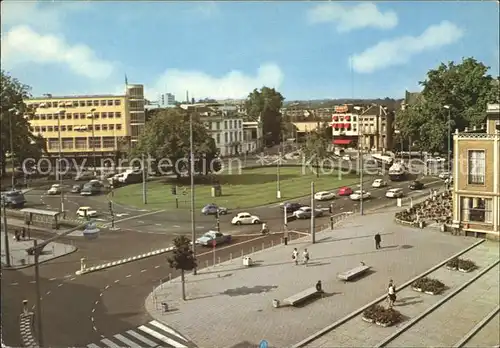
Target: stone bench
x=302 y=296
x=353 y=273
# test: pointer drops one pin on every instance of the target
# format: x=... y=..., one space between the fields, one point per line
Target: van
x=130 y=177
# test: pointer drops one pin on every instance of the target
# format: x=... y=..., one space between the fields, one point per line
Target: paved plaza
x=231 y=299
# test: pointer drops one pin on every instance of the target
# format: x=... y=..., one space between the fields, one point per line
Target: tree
x=466 y=88
x=25 y=144
x=166 y=136
x=265 y=105
x=316 y=148
x=182 y=259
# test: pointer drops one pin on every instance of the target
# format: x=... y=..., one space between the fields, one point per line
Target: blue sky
x=307 y=50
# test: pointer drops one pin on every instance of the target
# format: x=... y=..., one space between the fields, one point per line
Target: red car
x=345 y=191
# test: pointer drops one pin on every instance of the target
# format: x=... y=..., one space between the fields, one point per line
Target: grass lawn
x=253 y=187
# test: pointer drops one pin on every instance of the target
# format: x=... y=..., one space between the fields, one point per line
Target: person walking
x=305 y=255
x=295 y=256
x=378 y=239
x=391 y=293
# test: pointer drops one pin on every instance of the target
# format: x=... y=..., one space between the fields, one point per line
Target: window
x=44 y=129
x=225 y=137
x=110 y=114
x=117 y=102
x=63 y=128
x=53 y=143
x=97 y=127
x=104 y=127
x=118 y=127
x=108 y=142
x=110 y=103
x=69 y=116
x=96 y=102
x=217 y=138
x=103 y=103
x=225 y=124
x=67 y=143
x=55 y=129
x=89 y=102
x=95 y=115
x=111 y=126
x=231 y=136
x=476 y=209
x=37 y=129
x=476 y=167
x=89 y=127
x=49 y=117
x=95 y=142
x=118 y=114
x=75 y=104
x=82 y=116
x=80 y=143
x=35 y=117
x=70 y=128
x=218 y=125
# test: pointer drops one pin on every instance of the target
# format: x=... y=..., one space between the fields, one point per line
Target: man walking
x=391 y=293
x=305 y=255
x=378 y=239
x=295 y=256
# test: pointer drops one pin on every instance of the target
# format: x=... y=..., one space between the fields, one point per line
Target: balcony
x=481 y=136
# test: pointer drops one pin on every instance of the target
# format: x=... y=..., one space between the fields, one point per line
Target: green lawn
x=253 y=187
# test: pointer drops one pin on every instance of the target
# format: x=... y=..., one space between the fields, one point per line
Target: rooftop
x=89 y=96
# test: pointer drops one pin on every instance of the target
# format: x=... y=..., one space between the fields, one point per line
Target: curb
x=26 y=330
x=348 y=317
x=123 y=261
x=15 y=268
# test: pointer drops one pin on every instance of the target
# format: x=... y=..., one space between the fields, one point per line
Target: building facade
x=476 y=173
x=376 y=128
x=89 y=125
x=166 y=100
x=345 y=125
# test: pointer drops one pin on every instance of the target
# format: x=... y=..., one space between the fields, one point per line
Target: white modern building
x=166 y=100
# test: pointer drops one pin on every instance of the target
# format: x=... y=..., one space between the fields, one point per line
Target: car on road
x=13 y=199
x=416 y=185
x=84 y=175
x=444 y=175
x=76 y=188
x=379 y=183
x=245 y=219
x=324 y=196
x=208 y=238
x=213 y=209
x=306 y=213
x=346 y=157
x=54 y=189
x=357 y=195
x=395 y=193
x=290 y=207
x=345 y=191
x=86 y=212
x=93 y=187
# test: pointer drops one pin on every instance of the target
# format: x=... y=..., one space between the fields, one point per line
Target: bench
x=302 y=296
x=353 y=273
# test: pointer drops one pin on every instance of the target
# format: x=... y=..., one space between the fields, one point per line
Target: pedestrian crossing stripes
x=151 y=335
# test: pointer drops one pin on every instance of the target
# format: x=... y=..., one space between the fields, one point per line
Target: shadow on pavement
x=332 y=239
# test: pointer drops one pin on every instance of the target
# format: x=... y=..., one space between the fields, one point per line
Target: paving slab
x=230 y=298
x=488 y=335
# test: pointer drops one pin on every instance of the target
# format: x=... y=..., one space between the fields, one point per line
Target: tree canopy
x=182 y=259
x=166 y=136
x=25 y=144
x=315 y=149
x=465 y=88
x=266 y=105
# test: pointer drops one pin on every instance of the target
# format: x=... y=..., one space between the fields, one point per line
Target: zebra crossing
x=150 y=335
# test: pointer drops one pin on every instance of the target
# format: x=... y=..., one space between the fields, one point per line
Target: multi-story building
x=376 y=128
x=85 y=126
x=476 y=174
x=166 y=100
x=345 y=125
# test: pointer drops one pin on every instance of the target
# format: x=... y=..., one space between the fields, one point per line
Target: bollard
x=161 y=283
x=82 y=264
x=231 y=257
x=253 y=250
x=170 y=277
x=53 y=250
x=206 y=263
x=281 y=240
x=272 y=243
x=242 y=253
x=25 y=306
x=263 y=245
x=218 y=260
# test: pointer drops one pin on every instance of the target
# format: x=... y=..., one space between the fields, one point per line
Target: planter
x=451 y=268
x=383 y=324
x=430 y=293
x=417 y=289
x=465 y=270
x=367 y=319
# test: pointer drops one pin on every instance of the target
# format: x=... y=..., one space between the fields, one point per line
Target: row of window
x=76 y=103
x=75 y=116
x=476 y=164
x=97 y=127
x=81 y=143
x=229 y=137
x=228 y=124
x=476 y=209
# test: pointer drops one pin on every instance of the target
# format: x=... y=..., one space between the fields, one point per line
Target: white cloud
x=364 y=15
x=234 y=84
x=400 y=50
x=22 y=45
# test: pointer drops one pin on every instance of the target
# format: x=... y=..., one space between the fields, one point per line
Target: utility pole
x=11 y=140
x=59 y=115
x=36 y=253
x=144 y=182
x=278 y=189
x=6 y=235
x=313 y=217
x=361 y=211
x=191 y=173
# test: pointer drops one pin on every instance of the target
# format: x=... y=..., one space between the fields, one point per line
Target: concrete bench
x=302 y=296
x=353 y=273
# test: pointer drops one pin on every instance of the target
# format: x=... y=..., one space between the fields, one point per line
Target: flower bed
x=382 y=316
x=428 y=285
x=461 y=264
x=452 y=264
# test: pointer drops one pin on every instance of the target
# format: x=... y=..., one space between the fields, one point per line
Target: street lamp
x=91 y=116
x=447 y=107
x=59 y=116
x=6 y=235
x=11 y=140
x=360 y=164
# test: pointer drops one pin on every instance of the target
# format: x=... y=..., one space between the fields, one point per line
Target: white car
x=54 y=190
x=86 y=212
x=346 y=158
x=395 y=193
x=245 y=219
x=444 y=175
x=324 y=196
x=306 y=213
x=379 y=183
x=356 y=195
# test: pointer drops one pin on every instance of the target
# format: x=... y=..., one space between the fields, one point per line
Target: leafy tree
x=465 y=88
x=315 y=148
x=182 y=259
x=265 y=105
x=166 y=135
x=26 y=145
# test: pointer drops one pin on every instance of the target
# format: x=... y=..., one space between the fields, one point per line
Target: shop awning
x=341 y=141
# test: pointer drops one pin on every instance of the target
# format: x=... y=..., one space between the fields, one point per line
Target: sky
x=306 y=50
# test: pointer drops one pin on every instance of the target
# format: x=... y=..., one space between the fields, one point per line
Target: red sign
x=341 y=108
x=214 y=243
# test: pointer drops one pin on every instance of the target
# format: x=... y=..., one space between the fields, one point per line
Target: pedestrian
x=23 y=233
x=17 y=236
x=305 y=255
x=378 y=239
x=391 y=293
x=285 y=234
x=319 y=287
x=295 y=256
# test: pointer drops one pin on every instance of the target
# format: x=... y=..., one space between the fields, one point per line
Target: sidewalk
x=230 y=298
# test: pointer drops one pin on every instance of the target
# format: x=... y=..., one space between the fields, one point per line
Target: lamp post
x=447 y=107
x=6 y=234
x=91 y=116
x=278 y=188
x=360 y=164
x=11 y=145
x=60 y=114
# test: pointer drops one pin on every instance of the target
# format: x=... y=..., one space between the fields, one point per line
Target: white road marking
x=51 y=279
x=143 y=270
x=200 y=227
x=14 y=284
x=157 y=224
x=140 y=222
x=100 y=295
x=116 y=281
x=122 y=214
x=109 y=343
x=32 y=282
x=48 y=293
x=96 y=302
x=93 y=310
x=176 y=226
x=68 y=276
x=128 y=276
x=157 y=266
x=139 y=216
x=93 y=345
x=141 y=338
x=128 y=342
x=161 y=337
x=73 y=278
x=60 y=285
x=166 y=329
x=106 y=287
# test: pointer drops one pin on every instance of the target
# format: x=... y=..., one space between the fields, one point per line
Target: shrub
x=429 y=285
x=381 y=315
x=466 y=265
x=453 y=263
x=373 y=311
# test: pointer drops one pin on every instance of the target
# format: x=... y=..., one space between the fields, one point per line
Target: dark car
x=213 y=209
x=76 y=188
x=416 y=185
x=291 y=207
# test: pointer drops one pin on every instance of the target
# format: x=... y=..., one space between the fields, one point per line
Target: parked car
x=290 y=207
x=245 y=219
x=212 y=209
x=86 y=212
x=395 y=193
x=379 y=183
x=345 y=191
x=76 y=188
x=54 y=190
x=13 y=199
x=444 y=175
x=324 y=196
x=356 y=195
x=208 y=238
x=416 y=185
x=306 y=213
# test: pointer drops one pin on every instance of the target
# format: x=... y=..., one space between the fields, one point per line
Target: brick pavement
x=230 y=298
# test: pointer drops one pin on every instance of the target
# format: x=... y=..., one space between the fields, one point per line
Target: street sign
x=263 y=344
x=214 y=243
